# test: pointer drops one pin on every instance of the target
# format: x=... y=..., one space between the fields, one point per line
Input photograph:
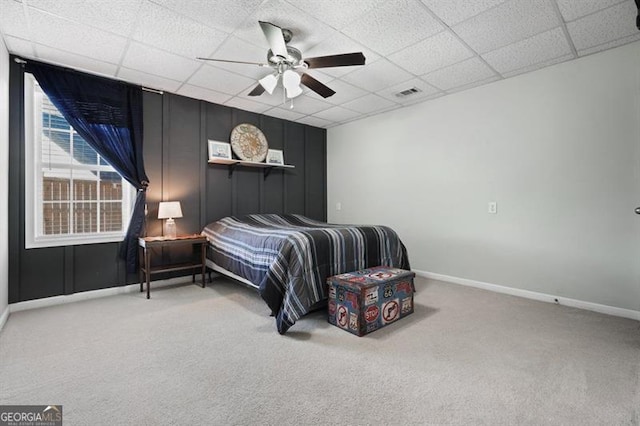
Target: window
x=73 y=195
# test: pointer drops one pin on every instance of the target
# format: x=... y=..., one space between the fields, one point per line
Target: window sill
x=75 y=240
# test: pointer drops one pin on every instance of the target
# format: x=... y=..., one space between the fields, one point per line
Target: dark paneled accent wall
x=176 y=130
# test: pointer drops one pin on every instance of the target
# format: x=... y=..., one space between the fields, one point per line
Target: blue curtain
x=108 y=115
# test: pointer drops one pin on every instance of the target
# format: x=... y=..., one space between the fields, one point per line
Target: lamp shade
x=291 y=82
x=169 y=210
x=269 y=83
x=292 y=93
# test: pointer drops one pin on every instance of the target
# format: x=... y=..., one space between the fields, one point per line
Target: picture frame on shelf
x=219 y=150
x=275 y=157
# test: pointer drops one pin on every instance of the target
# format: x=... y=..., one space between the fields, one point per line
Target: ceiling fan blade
x=260 y=64
x=274 y=36
x=343 y=60
x=316 y=86
x=257 y=91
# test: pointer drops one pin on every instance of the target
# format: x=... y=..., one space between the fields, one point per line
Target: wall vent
x=408 y=92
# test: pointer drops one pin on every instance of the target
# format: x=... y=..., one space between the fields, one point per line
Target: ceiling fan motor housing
x=294 y=58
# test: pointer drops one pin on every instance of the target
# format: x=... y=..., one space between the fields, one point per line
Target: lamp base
x=170 y=228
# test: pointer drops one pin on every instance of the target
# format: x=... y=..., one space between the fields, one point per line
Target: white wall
x=558 y=149
x=4 y=181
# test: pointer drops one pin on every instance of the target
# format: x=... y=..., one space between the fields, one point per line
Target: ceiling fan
x=286 y=62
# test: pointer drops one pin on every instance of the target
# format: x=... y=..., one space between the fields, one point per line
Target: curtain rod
x=147 y=89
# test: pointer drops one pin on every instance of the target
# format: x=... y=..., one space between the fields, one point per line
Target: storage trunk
x=366 y=300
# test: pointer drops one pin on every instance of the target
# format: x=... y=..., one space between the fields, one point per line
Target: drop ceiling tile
x=306 y=105
x=345 y=92
x=19 y=46
x=285 y=114
x=314 y=121
x=369 y=103
x=221 y=81
x=460 y=74
x=393 y=25
x=336 y=44
x=56 y=7
x=337 y=114
x=69 y=36
x=222 y=15
x=116 y=16
x=247 y=105
x=455 y=11
x=236 y=49
x=507 y=23
x=608 y=25
x=473 y=84
x=423 y=100
x=196 y=92
x=378 y=75
x=12 y=19
x=538 y=66
x=537 y=49
x=83 y=63
x=431 y=54
x=336 y=13
x=425 y=91
x=165 y=29
x=148 y=80
x=382 y=111
x=158 y=62
x=610 y=45
x=307 y=31
x=572 y=9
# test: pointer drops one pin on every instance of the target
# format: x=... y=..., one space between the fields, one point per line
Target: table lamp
x=168 y=210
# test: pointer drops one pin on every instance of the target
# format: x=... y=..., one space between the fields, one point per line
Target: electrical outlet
x=338 y=206
x=493 y=207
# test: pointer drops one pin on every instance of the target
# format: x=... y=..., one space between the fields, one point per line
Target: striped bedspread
x=289 y=257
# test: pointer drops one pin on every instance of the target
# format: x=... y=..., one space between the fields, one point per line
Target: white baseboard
x=93 y=294
x=590 y=306
x=4 y=317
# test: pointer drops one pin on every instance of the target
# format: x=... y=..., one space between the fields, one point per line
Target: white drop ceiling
x=437 y=46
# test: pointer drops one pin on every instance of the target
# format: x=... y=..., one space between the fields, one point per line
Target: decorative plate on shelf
x=249 y=143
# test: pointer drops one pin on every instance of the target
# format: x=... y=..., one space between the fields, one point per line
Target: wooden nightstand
x=147 y=243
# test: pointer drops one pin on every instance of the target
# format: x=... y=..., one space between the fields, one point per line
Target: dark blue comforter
x=289 y=257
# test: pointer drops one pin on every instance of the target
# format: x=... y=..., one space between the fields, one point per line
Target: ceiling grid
x=438 y=47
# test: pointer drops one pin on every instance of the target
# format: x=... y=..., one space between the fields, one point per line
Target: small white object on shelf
x=275 y=157
x=219 y=149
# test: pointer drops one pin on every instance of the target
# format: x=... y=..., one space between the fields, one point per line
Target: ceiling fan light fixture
x=291 y=82
x=269 y=83
x=292 y=93
x=284 y=59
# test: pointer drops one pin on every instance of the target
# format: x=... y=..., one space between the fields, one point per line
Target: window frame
x=34 y=235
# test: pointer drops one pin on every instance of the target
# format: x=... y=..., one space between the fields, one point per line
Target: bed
x=288 y=258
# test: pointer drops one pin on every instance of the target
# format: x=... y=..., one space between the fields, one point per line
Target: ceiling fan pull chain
x=291 y=107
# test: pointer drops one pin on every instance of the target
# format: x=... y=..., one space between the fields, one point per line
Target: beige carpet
x=212 y=356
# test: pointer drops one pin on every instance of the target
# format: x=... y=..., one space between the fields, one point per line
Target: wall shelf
x=233 y=163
